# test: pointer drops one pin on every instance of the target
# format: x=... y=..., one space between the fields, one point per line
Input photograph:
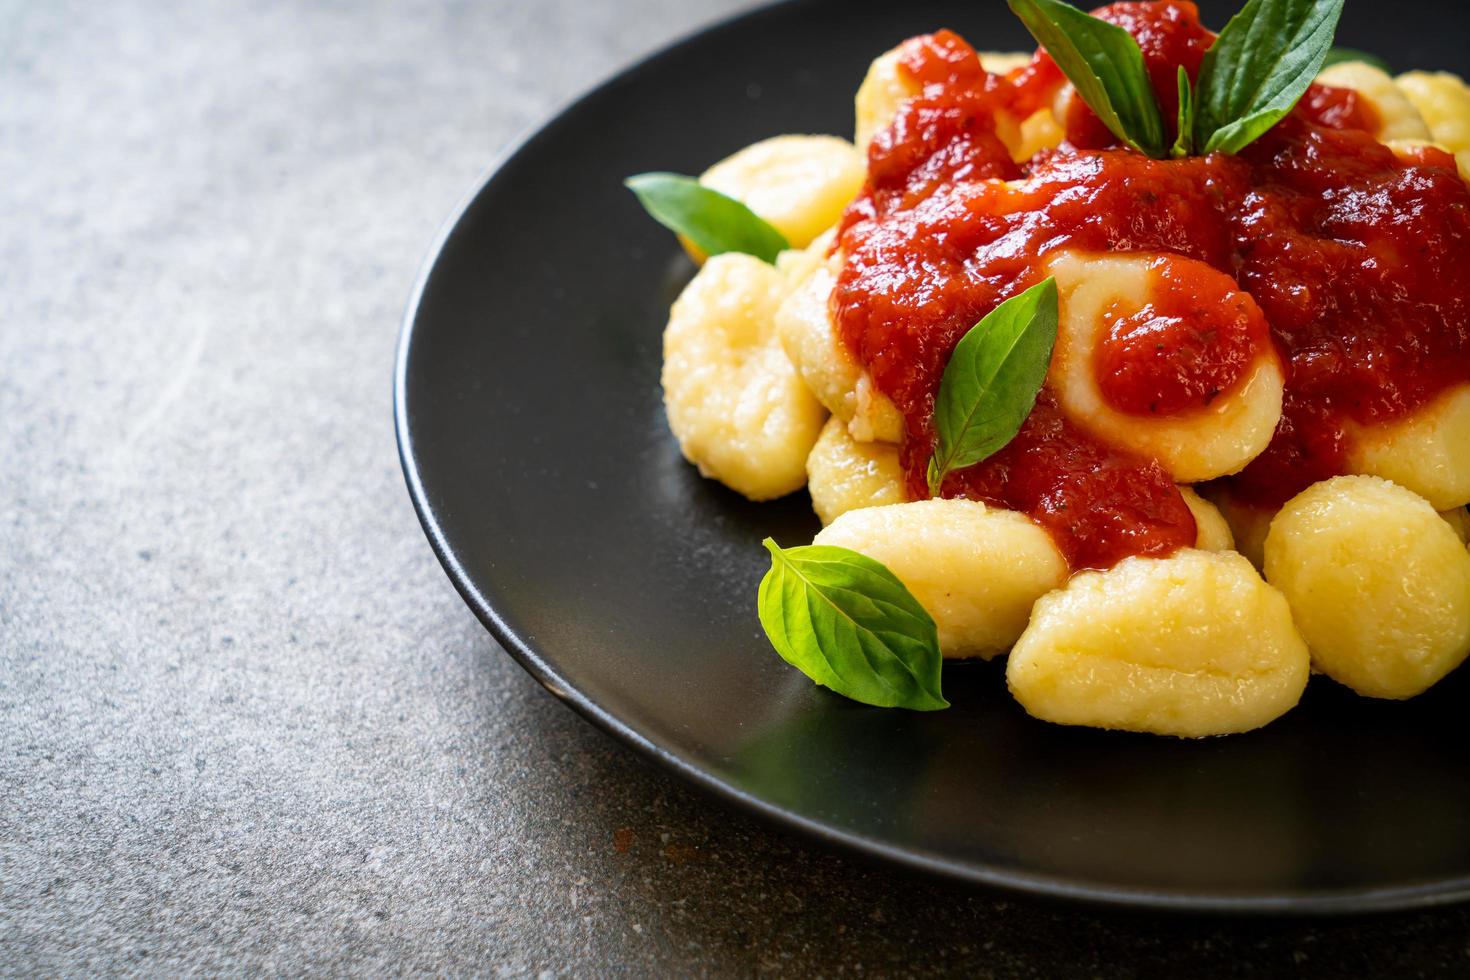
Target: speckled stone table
x=245 y=723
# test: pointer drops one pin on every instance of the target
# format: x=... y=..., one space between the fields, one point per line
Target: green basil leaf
x=713 y=221
x=1184 y=142
x=849 y=624
x=1105 y=64
x=991 y=382
x=1260 y=65
x=1338 y=55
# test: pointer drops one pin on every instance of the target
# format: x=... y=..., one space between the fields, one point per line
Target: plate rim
x=1079 y=889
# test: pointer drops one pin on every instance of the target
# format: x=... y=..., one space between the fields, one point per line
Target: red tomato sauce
x=1194 y=340
x=1355 y=258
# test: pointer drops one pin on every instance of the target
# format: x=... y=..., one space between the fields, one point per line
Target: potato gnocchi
x=1398 y=117
x=1212 y=531
x=1214 y=441
x=1378 y=583
x=844 y=474
x=884 y=90
x=800 y=184
x=1241 y=559
x=1443 y=100
x=1248 y=523
x=1191 y=645
x=1426 y=451
x=887 y=86
x=976 y=570
x=738 y=408
x=810 y=340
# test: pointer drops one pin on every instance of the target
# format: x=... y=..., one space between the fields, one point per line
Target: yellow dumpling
x=886 y=87
x=843 y=474
x=1201 y=445
x=800 y=184
x=1003 y=62
x=1443 y=100
x=1397 y=117
x=1379 y=584
x=1248 y=524
x=796 y=264
x=1037 y=132
x=1040 y=131
x=1427 y=452
x=1403 y=149
x=1212 y=531
x=807 y=334
x=734 y=402
x=1191 y=645
x=977 y=570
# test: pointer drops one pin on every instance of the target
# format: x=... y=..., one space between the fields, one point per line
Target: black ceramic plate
x=536 y=452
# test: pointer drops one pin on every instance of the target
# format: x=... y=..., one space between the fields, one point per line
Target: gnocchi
x=1378 y=583
x=799 y=184
x=844 y=474
x=1398 y=119
x=734 y=402
x=810 y=340
x=1443 y=101
x=975 y=569
x=1405 y=150
x=1425 y=452
x=1212 y=531
x=1199 y=445
x=1002 y=62
x=1191 y=645
x=1039 y=131
x=886 y=87
x=1248 y=523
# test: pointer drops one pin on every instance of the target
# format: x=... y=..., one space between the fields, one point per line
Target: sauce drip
x=1354 y=256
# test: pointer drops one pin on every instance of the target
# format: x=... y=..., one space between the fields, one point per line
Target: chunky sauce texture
x=1196 y=338
x=1354 y=257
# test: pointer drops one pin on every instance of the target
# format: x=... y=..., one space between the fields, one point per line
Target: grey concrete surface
x=245 y=723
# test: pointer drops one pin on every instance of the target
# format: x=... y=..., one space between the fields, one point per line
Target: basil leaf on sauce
x=1338 y=55
x=714 y=222
x=991 y=382
x=1105 y=64
x=1184 y=142
x=849 y=624
x=1260 y=65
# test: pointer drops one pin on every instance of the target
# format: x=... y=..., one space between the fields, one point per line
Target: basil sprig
x=1184 y=142
x=714 y=222
x=1338 y=55
x=849 y=624
x=1105 y=64
x=991 y=382
x=1259 y=67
